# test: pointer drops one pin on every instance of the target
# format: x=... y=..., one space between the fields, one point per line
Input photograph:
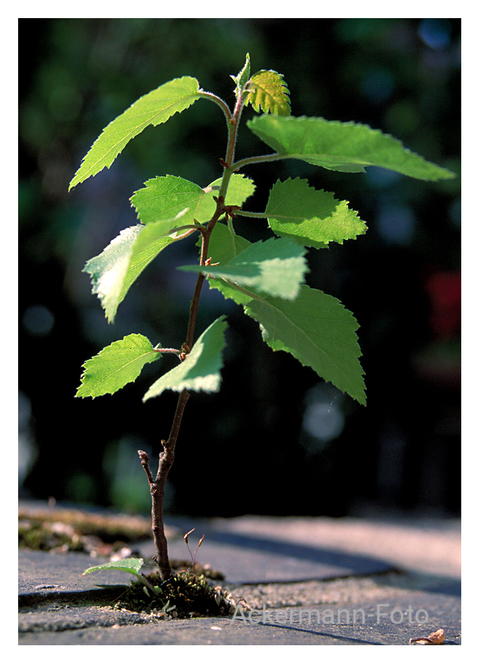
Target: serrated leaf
x=269 y=93
x=167 y=197
x=116 y=365
x=312 y=217
x=163 y=197
x=114 y=270
x=130 y=565
x=341 y=146
x=318 y=331
x=275 y=267
x=153 y=108
x=107 y=270
x=149 y=243
x=239 y=189
x=315 y=327
x=224 y=245
x=200 y=371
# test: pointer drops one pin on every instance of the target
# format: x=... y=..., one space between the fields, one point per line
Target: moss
x=184 y=595
x=40 y=536
x=108 y=527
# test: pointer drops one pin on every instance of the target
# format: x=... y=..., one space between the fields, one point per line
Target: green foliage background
x=400 y=280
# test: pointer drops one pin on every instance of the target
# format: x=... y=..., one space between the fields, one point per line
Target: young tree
x=266 y=278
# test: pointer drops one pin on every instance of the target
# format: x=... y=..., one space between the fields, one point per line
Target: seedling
x=127 y=565
x=266 y=278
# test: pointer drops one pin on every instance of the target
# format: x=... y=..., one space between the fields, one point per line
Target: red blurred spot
x=444 y=290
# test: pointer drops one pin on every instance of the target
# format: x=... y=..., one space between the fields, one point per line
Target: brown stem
x=157 y=491
x=157 y=488
x=167 y=456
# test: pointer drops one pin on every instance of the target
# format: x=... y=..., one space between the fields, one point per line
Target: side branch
x=144 y=459
x=217 y=100
x=251 y=215
x=260 y=159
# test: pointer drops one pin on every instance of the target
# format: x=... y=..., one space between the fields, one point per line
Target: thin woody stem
x=201 y=277
x=157 y=491
x=167 y=455
x=144 y=459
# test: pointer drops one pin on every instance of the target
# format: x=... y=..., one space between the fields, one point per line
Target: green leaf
x=164 y=197
x=239 y=189
x=242 y=77
x=269 y=93
x=107 y=270
x=153 y=108
x=312 y=217
x=114 y=270
x=116 y=365
x=200 y=371
x=149 y=243
x=130 y=565
x=341 y=146
x=224 y=245
x=315 y=328
x=167 y=197
x=318 y=331
x=275 y=267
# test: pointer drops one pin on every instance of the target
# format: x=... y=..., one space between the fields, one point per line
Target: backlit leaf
x=116 y=365
x=107 y=270
x=341 y=146
x=312 y=217
x=163 y=197
x=131 y=565
x=153 y=108
x=114 y=270
x=224 y=245
x=275 y=267
x=166 y=197
x=200 y=371
x=269 y=93
x=315 y=328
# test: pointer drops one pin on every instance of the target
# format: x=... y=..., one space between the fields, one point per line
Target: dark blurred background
x=276 y=440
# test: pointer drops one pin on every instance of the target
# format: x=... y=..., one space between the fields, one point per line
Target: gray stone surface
x=244 y=558
x=384 y=622
x=60 y=607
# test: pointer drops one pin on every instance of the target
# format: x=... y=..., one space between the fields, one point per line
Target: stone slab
x=385 y=622
x=42 y=573
x=251 y=551
x=254 y=559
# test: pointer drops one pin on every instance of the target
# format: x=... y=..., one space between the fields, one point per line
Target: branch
x=260 y=159
x=144 y=459
x=217 y=100
x=251 y=215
